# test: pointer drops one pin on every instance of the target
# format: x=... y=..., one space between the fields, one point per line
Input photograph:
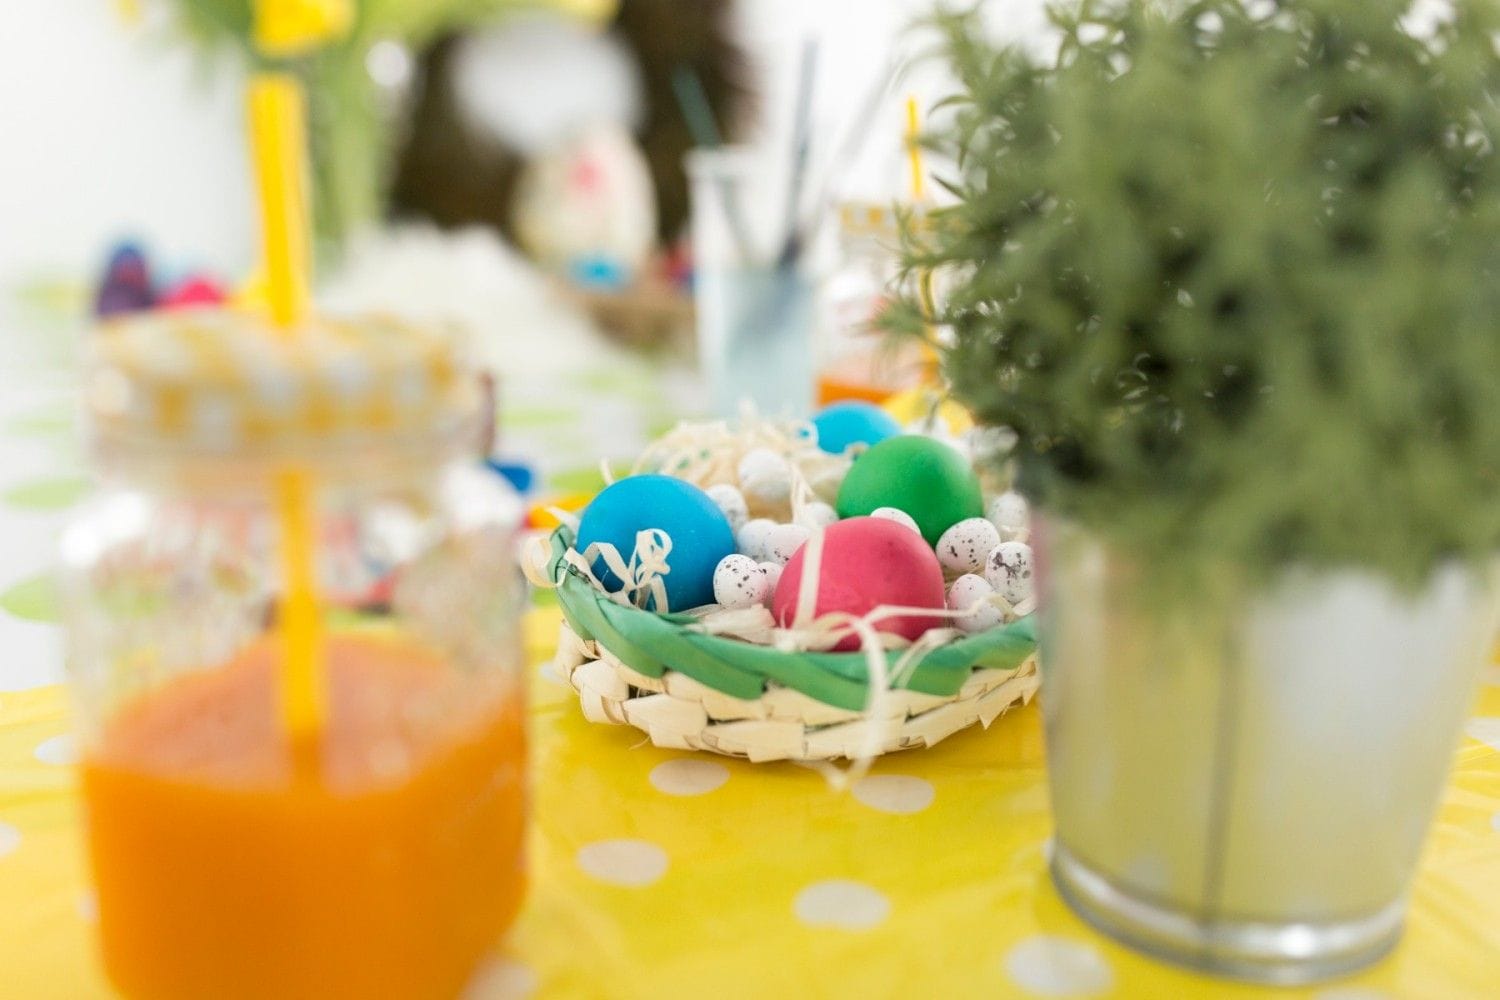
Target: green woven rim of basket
x=651 y=644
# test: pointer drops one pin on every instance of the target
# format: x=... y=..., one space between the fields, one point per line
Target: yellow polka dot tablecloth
x=664 y=875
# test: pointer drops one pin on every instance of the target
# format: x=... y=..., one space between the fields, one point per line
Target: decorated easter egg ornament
x=750 y=540
x=739 y=582
x=854 y=422
x=699 y=534
x=925 y=478
x=968 y=591
x=765 y=477
x=1009 y=514
x=963 y=547
x=897 y=515
x=784 y=540
x=865 y=563
x=773 y=573
x=1008 y=570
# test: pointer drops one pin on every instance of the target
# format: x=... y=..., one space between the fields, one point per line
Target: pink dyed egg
x=868 y=562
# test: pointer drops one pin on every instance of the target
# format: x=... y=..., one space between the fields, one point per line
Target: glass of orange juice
x=382 y=857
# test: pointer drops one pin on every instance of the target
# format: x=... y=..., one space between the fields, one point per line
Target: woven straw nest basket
x=689 y=690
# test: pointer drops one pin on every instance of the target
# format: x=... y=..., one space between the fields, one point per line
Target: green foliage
x=1230 y=272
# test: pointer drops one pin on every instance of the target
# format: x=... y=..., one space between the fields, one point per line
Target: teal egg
x=700 y=533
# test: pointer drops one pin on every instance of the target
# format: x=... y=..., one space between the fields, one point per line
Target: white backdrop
x=105 y=133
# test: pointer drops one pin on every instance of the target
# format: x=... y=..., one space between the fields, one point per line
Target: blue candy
x=700 y=533
x=853 y=422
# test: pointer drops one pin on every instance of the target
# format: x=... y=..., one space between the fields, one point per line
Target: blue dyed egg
x=700 y=533
x=853 y=422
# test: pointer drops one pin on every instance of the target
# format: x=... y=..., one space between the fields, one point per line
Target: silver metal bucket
x=1245 y=789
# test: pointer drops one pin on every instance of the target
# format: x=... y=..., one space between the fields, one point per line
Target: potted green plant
x=1230 y=271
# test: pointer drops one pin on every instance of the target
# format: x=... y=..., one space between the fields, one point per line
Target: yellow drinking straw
x=292 y=27
x=914 y=149
x=276 y=130
x=278 y=138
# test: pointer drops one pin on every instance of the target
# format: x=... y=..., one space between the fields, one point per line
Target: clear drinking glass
x=228 y=858
x=756 y=309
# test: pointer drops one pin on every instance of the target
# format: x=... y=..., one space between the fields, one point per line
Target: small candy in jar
x=964 y=547
x=970 y=590
x=1008 y=570
x=740 y=582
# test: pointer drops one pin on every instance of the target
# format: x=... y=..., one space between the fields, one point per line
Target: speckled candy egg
x=1009 y=514
x=967 y=591
x=750 y=539
x=1008 y=570
x=765 y=478
x=867 y=562
x=963 y=547
x=773 y=573
x=898 y=516
x=783 y=541
x=732 y=502
x=739 y=582
x=817 y=515
x=928 y=479
x=853 y=422
x=700 y=533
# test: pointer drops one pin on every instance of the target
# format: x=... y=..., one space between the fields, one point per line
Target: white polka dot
x=549 y=673
x=688 y=776
x=850 y=906
x=502 y=979
x=88 y=907
x=1351 y=993
x=632 y=863
x=1049 y=966
x=10 y=839
x=59 y=750
x=894 y=793
x=1485 y=728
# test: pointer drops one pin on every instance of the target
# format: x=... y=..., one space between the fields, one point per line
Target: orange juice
x=224 y=871
x=873 y=373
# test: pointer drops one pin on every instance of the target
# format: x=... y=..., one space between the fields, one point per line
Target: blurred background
x=517 y=167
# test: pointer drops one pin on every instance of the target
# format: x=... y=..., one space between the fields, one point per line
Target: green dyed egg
x=926 y=478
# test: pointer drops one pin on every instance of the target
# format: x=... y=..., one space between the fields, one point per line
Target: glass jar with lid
x=376 y=850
